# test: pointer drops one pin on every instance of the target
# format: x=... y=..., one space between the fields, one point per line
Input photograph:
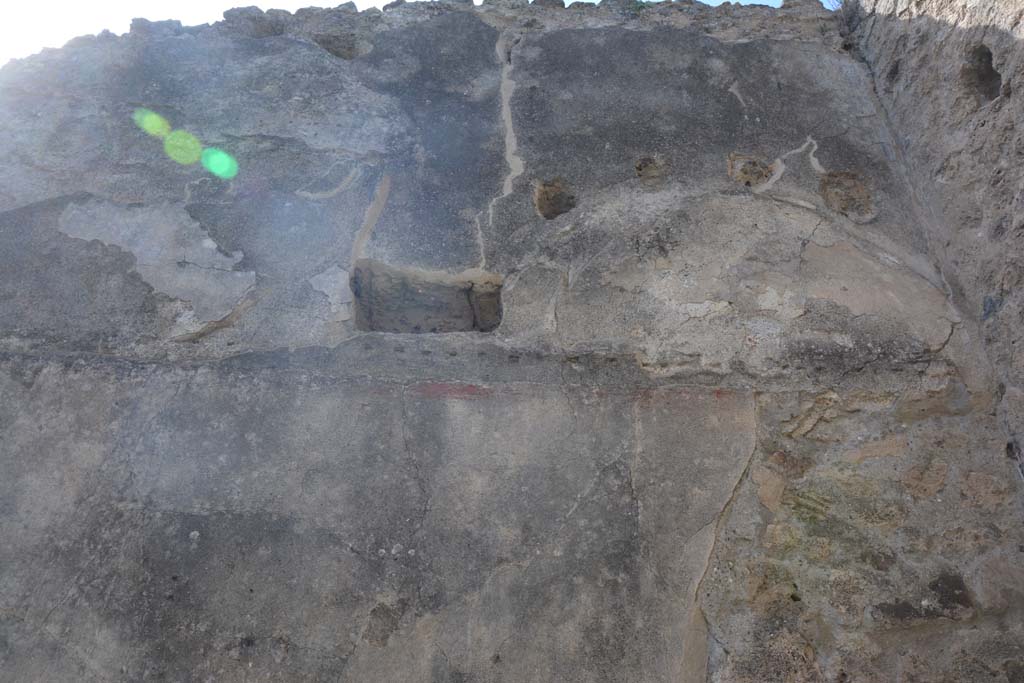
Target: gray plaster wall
x=530 y=343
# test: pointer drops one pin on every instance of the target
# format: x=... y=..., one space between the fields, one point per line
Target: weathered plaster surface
x=742 y=418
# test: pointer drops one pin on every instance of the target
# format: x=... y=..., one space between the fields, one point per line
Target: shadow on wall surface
x=945 y=73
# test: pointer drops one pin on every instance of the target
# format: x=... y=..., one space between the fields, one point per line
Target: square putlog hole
x=410 y=300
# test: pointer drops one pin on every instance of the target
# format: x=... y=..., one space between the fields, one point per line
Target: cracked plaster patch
x=173 y=254
x=785 y=303
x=333 y=282
x=866 y=286
x=703 y=308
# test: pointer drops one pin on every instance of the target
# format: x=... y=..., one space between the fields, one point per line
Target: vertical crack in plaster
x=735 y=90
x=634 y=464
x=370 y=218
x=503 y=49
x=698 y=619
x=417 y=468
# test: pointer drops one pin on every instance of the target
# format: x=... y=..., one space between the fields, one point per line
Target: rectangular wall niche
x=410 y=300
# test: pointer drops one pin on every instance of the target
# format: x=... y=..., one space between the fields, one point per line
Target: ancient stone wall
x=603 y=343
x=944 y=72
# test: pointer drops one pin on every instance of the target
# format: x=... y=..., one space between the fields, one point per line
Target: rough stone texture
x=530 y=343
x=949 y=67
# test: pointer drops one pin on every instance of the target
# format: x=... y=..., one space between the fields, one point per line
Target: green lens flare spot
x=220 y=163
x=183 y=147
x=152 y=123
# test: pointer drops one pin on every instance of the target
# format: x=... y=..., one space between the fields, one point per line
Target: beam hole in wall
x=552 y=198
x=980 y=77
x=649 y=168
x=342 y=45
x=410 y=300
x=893 y=74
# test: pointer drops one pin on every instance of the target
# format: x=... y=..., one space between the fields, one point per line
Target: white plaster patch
x=842 y=339
x=866 y=286
x=173 y=254
x=334 y=282
x=703 y=309
x=785 y=304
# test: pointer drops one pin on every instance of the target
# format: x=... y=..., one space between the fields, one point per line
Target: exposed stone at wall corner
x=945 y=72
